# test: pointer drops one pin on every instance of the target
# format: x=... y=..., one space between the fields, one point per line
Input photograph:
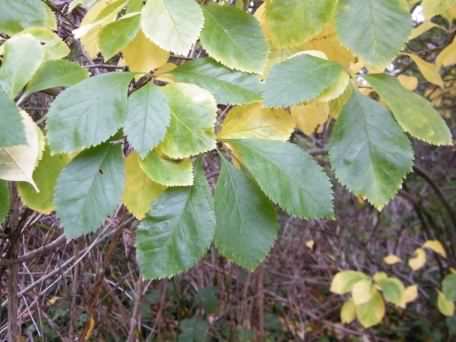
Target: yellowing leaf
x=344 y=281
x=419 y=260
x=348 y=312
x=430 y=71
x=256 y=122
x=372 y=312
x=391 y=259
x=447 y=56
x=362 y=291
x=424 y=27
x=435 y=246
x=445 y=306
x=408 y=82
x=139 y=191
x=17 y=163
x=410 y=295
x=309 y=116
x=142 y=55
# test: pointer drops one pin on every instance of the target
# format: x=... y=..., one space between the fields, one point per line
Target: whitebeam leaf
x=288 y=176
x=148 y=119
x=88 y=113
x=234 y=38
x=368 y=151
x=17 y=163
x=246 y=220
x=13 y=132
x=89 y=189
x=4 y=201
x=174 y=25
x=177 y=231
x=193 y=116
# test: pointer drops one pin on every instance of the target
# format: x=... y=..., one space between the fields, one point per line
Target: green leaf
x=168 y=172
x=177 y=231
x=193 y=330
x=234 y=38
x=54 y=74
x=449 y=286
x=54 y=47
x=16 y=15
x=45 y=177
x=294 y=22
x=368 y=151
x=229 y=87
x=140 y=191
x=344 y=281
x=116 y=36
x=193 y=116
x=174 y=25
x=298 y=79
x=90 y=189
x=4 y=201
x=372 y=312
x=246 y=220
x=13 y=132
x=88 y=113
x=414 y=114
x=375 y=30
x=148 y=118
x=393 y=289
x=288 y=176
x=445 y=305
x=23 y=56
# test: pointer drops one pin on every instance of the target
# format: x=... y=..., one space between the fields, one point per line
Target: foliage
x=139 y=136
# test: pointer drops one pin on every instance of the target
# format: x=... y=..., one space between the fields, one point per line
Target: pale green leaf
x=177 y=231
x=246 y=220
x=362 y=291
x=414 y=114
x=54 y=74
x=16 y=15
x=344 y=281
x=393 y=290
x=13 y=132
x=116 y=36
x=4 y=201
x=288 y=176
x=168 y=172
x=148 y=119
x=54 y=47
x=372 y=312
x=45 y=177
x=229 y=87
x=293 y=22
x=88 y=113
x=256 y=122
x=140 y=191
x=449 y=286
x=193 y=116
x=90 y=189
x=368 y=151
x=234 y=38
x=23 y=56
x=375 y=30
x=298 y=79
x=18 y=162
x=174 y=25
x=445 y=306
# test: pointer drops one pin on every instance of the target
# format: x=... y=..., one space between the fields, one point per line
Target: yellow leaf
x=435 y=246
x=143 y=56
x=310 y=244
x=255 y=121
x=372 y=312
x=17 y=163
x=309 y=117
x=410 y=295
x=447 y=56
x=408 y=82
x=344 y=281
x=379 y=276
x=419 y=30
x=348 y=312
x=336 y=105
x=362 y=292
x=430 y=71
x=419 y=259
x=446 y=307
x=162 y=73
x=392 y=259
x=139 y=191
